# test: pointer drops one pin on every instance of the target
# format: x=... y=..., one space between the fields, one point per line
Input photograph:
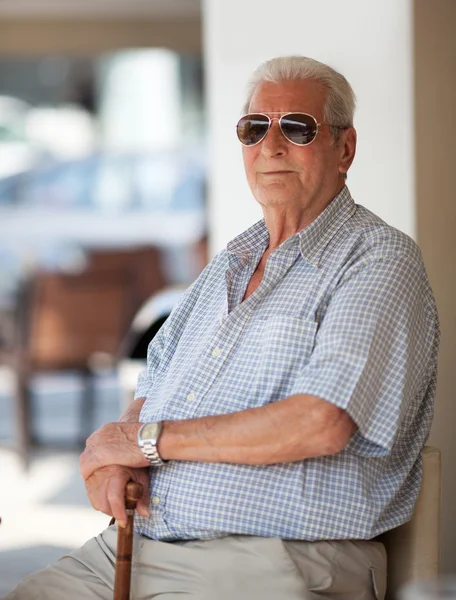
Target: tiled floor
x=45 y=512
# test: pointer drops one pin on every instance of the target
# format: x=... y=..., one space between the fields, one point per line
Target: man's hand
x=106 y=490
x=112 y=444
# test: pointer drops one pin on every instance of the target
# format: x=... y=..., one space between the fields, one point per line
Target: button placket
x=201 y=379
x=159 y=487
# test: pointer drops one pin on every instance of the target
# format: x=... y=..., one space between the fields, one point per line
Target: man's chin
x=276 y=198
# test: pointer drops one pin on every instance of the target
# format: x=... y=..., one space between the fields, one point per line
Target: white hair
x=340 y=98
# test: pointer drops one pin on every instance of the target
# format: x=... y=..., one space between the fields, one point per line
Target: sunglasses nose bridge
x=274 y=137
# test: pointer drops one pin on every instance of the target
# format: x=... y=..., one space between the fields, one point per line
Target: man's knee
x=87 y=572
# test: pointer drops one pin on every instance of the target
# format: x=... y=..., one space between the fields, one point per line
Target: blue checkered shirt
x=344 y=312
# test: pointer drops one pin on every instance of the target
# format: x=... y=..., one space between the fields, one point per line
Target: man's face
x=281 y=174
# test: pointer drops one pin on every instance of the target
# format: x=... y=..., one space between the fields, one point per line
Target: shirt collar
x=312 y=240
x=249 y=242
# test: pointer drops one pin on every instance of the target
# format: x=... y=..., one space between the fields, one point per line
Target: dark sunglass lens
x=299 y=128
x=251 y=129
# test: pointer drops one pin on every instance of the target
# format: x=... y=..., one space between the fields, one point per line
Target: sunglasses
x=298 y=128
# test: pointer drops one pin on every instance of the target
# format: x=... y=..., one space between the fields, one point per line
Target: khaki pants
x=231 y=568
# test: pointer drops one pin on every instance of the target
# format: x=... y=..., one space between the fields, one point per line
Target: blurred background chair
x=413 y=549
x=77 y=322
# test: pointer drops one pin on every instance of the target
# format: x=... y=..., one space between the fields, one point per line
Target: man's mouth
x=278 y=172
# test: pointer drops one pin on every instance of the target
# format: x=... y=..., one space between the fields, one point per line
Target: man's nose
x=274 y=144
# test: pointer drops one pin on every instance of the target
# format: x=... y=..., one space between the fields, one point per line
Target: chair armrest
x=413 y=549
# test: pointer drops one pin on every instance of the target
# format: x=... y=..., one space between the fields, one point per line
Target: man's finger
x=96 y=496
x=115 y=493
x=97 y=457
x=89 y=463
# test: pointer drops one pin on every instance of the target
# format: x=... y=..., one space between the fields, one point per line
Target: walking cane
x=133 y=492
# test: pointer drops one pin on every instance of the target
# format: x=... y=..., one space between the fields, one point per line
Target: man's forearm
x=295 y=428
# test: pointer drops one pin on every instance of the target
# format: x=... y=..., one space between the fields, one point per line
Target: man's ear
x=347 y=149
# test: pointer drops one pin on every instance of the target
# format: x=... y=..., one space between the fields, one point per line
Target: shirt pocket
x=286 y=344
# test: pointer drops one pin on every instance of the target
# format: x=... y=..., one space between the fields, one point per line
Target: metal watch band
x=151 y=453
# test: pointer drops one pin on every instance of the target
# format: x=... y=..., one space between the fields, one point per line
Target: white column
x=140 y=101
x=369 y=42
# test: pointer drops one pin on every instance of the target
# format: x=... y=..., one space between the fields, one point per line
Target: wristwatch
x=148 y=435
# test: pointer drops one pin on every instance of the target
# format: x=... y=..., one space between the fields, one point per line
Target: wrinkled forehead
x=305 y=95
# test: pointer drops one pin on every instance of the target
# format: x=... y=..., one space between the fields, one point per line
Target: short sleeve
x=154 y=356
x=142 y=385
x=374 y=348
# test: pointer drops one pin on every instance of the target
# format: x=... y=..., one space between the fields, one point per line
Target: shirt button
x=155 y=500
x=191 y=397
x=216 y=352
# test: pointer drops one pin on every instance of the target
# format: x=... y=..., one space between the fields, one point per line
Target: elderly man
x=277 y=429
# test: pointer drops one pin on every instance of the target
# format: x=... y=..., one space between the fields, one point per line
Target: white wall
x=369 y=42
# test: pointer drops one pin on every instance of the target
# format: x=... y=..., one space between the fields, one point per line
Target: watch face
x=150 y=431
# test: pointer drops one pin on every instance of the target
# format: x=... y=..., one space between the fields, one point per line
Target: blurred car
x=50 y=216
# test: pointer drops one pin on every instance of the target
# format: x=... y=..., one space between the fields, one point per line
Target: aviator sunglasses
x=298 y=128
